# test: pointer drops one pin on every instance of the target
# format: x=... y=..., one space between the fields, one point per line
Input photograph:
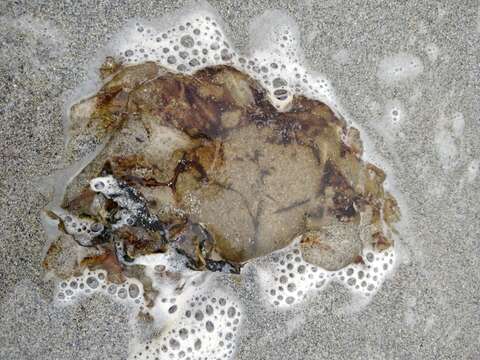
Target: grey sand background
x=430 y=309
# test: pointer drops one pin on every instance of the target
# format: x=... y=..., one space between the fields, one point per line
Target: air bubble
x=187 y=41
x=183 y=333
x=231 y=312
x=198 y=344
x=92 y=282
x=194 y=62
x=209 y=310
x=209 y=326
x=226 y=55
x=174 y=344
x=198 y=315
x=133 y=291
x=281 y=94
x=112 y=289
x=278 y=82
x=96 y=227
x=122 y=293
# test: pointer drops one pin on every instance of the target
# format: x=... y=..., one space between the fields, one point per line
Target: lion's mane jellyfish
x=198 y=161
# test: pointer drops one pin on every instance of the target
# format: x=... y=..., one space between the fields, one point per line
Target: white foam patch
x=82 y=229
x=197 y=40
x=127 y=198
x=286 y=279
x=400 y=67
x=110 y=187
x=198 y=324
x=276 y=60
x=130 y=292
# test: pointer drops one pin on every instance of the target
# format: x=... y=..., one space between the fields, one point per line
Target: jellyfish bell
x=212 y=147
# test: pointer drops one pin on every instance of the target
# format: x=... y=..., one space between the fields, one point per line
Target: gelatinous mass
x=205 y=166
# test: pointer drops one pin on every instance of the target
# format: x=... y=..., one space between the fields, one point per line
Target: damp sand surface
x=431 y=297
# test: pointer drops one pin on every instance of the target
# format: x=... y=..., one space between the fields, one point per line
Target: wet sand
x=429 y=309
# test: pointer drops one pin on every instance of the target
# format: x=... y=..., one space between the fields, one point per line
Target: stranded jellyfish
x=204 y=165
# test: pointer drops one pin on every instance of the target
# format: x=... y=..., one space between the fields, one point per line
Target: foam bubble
x=198 y=325
x=83 y=230
x=197 y=40
x=129 y=292
x=287 y=279
x=278 y=62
